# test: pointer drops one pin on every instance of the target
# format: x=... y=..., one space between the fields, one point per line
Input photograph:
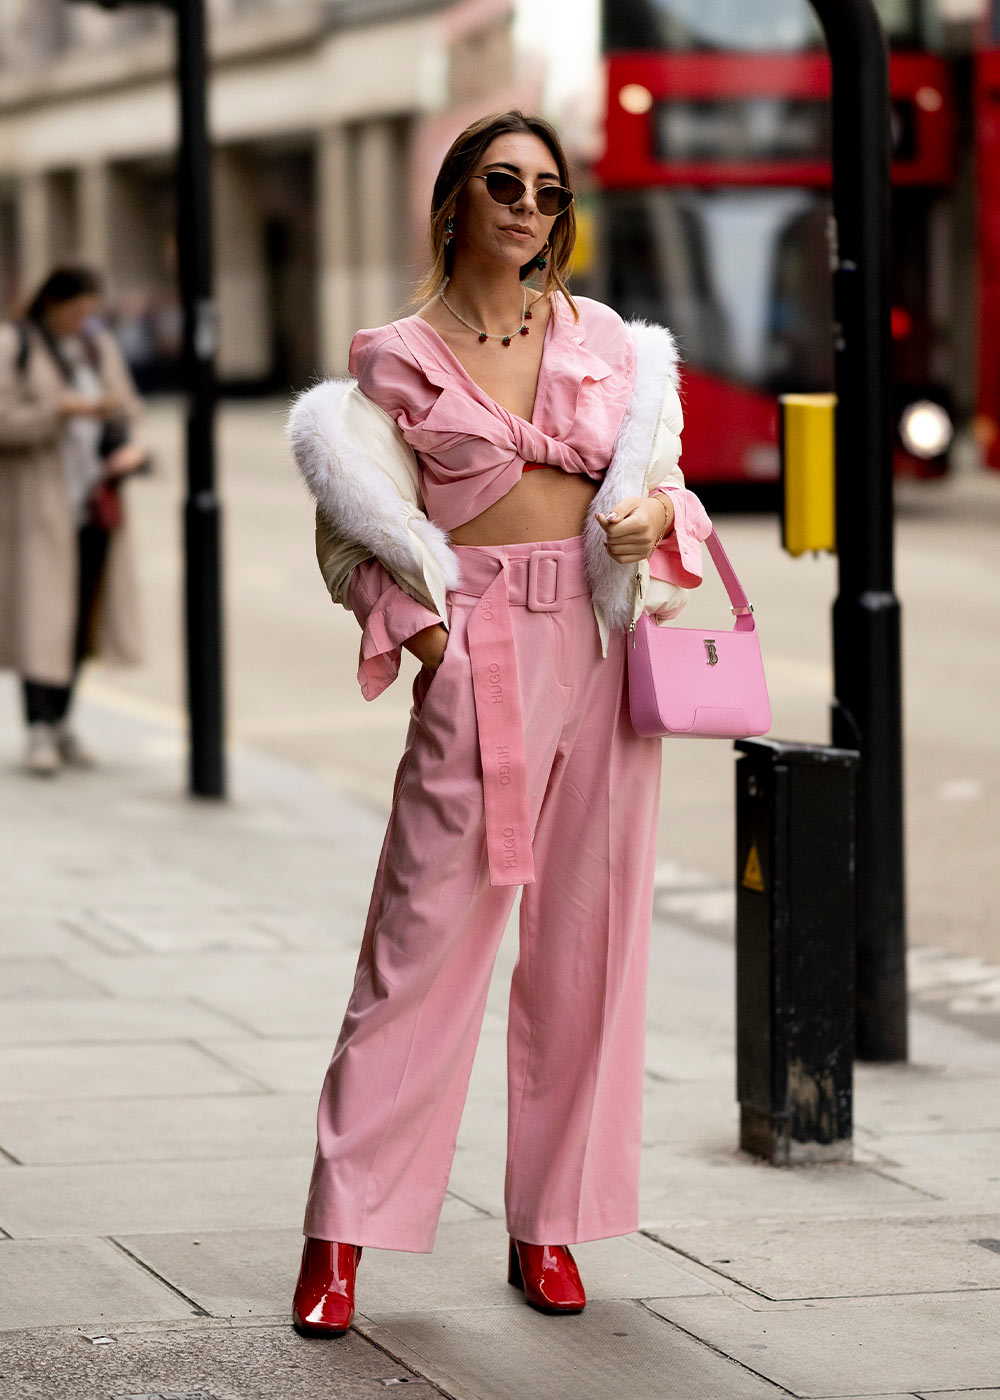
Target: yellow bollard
x=809 y=521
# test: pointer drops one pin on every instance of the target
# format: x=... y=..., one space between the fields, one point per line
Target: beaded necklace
x=492 y=335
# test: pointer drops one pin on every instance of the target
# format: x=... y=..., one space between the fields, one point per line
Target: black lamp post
x=867 y=712
x=202 y=577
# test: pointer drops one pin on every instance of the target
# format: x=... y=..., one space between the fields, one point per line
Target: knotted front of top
x=471 y=450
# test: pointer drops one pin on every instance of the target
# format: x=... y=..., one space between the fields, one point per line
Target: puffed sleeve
x=388 y=617
x=389 y=375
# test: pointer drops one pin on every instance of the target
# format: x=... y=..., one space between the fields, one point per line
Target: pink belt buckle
x=543 y=577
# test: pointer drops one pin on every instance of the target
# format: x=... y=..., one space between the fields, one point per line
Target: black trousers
x=49 y=704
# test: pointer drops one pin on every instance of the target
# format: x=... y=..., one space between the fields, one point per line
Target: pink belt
x=539 y=581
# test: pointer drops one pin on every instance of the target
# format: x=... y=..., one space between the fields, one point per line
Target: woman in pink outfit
x=498 y=492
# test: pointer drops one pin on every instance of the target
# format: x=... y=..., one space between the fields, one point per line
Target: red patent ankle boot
x=548 y=1275
x=324 y=1297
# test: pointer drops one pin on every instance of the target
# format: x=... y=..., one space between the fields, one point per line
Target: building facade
x=327 y=118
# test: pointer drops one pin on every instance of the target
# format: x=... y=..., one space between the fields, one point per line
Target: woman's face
x=507 y=233
x=68 y=317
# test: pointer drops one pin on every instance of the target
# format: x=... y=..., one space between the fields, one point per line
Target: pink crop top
x=470 y=450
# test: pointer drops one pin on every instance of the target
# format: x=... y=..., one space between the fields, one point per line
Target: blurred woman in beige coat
x=70 y=431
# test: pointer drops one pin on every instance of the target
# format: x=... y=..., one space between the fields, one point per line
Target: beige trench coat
x=38 y=538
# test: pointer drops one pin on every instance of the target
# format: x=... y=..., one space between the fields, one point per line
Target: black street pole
x=867 y=709
x=202 y=562
x=202 y=582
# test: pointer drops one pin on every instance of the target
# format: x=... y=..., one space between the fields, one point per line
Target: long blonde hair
x=458 y=167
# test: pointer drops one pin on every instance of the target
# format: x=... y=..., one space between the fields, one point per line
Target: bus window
x=741 y=277
x=681 y=26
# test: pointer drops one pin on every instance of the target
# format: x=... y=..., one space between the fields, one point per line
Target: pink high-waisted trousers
x=394 y=1092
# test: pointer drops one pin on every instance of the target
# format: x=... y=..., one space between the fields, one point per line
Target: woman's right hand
x=429 y=645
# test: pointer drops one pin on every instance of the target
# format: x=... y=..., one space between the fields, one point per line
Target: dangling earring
x=541 y=261
x=449 y=229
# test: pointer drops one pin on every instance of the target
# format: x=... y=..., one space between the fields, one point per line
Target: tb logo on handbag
x=713 y=655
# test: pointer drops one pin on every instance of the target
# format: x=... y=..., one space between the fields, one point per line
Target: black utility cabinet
x=795 y=925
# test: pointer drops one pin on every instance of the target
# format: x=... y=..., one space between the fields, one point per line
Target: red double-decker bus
x=714 y=215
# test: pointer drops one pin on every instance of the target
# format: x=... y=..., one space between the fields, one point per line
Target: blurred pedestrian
x=70 y=432
x=542 y=434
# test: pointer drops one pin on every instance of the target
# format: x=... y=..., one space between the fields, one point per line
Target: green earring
x=541 y=261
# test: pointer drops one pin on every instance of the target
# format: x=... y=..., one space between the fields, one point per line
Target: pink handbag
x=706 y=685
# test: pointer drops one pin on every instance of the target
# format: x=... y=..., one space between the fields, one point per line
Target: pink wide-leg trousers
x=394 y=1092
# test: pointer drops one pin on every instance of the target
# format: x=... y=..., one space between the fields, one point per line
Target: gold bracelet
x=668 y=518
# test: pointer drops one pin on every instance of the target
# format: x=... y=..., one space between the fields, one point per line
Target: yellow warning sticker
x=753 y=877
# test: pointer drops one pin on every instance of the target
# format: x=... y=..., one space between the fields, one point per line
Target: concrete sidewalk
x=172 y=976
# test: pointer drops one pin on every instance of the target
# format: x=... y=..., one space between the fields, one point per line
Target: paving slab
x=686 y=1111
x=283 y=1063
x=42 y=1072
x=251 y=1273
x=159 y=930
x=269 y=993
x=948 y=1046
x=924 y=1098
x=206 y=1361
x=612 y=1349
x=317 y=929
x=24 y=935
x=690 y=1050
x=246 y=1274
x=960 y=1168
x=691 y=1181
x=196 y=1128
x=791 y=1258
x=150 y=1197
x=45 y=1021
x=44 y=977
x=855 y=1347
x=468 y=1269
x=53 y=1283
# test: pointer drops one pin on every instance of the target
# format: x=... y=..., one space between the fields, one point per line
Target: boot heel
x=514 y=1276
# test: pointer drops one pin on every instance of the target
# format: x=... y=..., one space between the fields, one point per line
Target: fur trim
x=355 y=494
x=656 y=365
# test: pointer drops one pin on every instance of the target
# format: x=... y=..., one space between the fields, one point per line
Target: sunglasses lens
x=505 y=189
x=553 y=199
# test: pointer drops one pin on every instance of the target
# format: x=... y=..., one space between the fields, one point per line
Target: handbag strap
x=741 y=605
x=742 y=608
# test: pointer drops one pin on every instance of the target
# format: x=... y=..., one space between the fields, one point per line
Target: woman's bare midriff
x=546 y=504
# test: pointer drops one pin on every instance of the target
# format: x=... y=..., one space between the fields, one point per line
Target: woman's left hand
x=124 y=459
x=635 y=527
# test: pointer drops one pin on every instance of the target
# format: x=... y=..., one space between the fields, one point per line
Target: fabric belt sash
x=539 y=582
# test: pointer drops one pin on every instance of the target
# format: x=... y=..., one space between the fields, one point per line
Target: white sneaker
x=70 y=750
x=42 y=752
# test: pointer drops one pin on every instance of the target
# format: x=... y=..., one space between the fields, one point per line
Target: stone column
x=241 y=275
x=94 y=201
x=34 y=229
x=380 y=210
x=338 y=314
